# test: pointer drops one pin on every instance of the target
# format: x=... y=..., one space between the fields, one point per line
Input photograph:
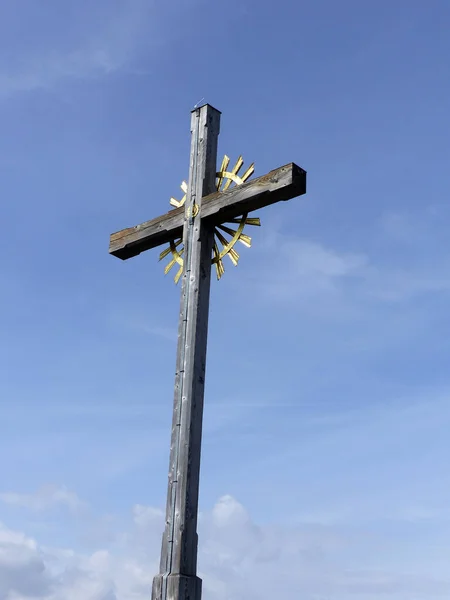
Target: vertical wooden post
x=178 y=579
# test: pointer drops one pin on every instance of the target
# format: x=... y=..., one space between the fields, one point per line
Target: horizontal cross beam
x=280 y=184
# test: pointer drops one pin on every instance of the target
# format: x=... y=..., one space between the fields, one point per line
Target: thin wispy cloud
x=98 y=52
x=311 y=273
x=327 y=396
x=46 y=498
x=133 y=319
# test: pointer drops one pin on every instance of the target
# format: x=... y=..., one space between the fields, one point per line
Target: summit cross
x=194 y=230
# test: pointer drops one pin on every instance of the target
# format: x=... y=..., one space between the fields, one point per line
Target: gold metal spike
x=178 y=275
x=221 y=239
x=234 y=256
x=250 y=221
x=233 y=175
x=238 y=165
x=168 y=250
x=176 y=257
x=176 y=254
x=222 y=170
x=220 y=270
x=227 y=229
x=248 y=172
x=164 y=253
x=169 y=265
x=178 y=203
x=225 y=236
x=227 y=246
x=245 y=239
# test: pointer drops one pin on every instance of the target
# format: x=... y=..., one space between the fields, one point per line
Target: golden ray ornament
x=225 y=237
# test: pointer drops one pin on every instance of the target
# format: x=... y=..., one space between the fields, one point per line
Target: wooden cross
x=194 y=222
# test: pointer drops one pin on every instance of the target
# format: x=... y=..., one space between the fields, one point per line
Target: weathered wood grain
x=280 y=184
x=178 y=579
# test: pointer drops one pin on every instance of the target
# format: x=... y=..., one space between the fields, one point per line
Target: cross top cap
x=205 y=104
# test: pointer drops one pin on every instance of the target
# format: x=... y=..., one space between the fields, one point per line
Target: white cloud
x=48 y=496
x=22 y=567
x=399 y=227
x=305 y=271
x=144 y=516
x=401 y=285
x=238 y=559
x=412 y=228
x=323 y=279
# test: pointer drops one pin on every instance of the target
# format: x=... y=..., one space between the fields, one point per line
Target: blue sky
x=325 y=457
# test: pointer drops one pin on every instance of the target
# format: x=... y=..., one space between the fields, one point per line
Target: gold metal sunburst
x=225 y=237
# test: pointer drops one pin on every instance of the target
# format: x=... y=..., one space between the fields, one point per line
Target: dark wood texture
x=281 y=184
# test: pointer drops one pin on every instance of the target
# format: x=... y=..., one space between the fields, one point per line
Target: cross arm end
x=132 y=241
